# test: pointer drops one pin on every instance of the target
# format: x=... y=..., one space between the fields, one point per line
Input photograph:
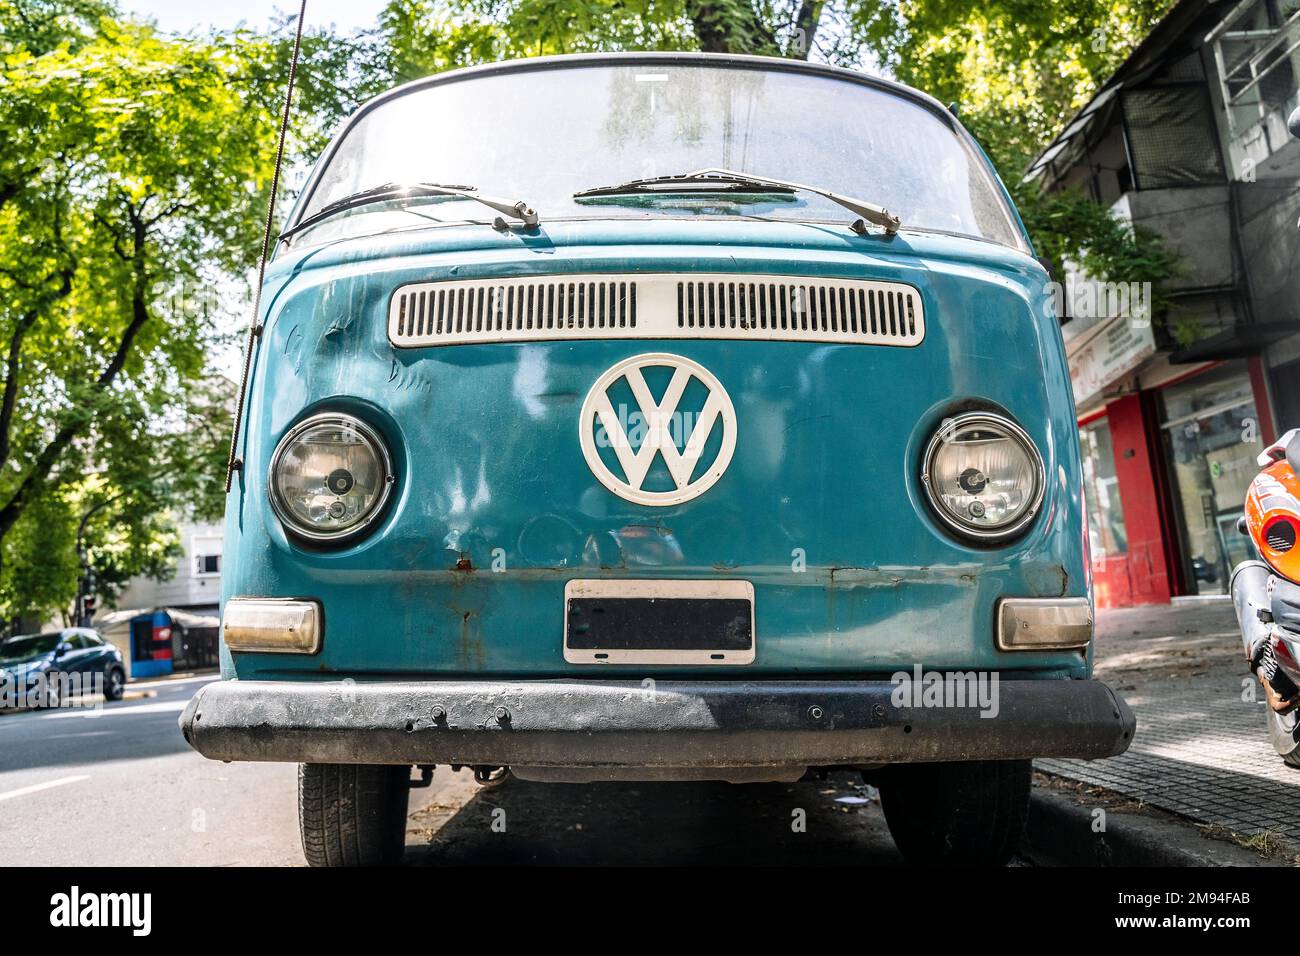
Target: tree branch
x=9 y=400
x=173 y=209
x=117 y=241
x=80 y=417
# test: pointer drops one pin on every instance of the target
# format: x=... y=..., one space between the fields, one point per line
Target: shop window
x=1106 y=534
x=1212 y=438
x=1286 y=396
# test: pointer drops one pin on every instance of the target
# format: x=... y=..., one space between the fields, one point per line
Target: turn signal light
x=272 y=625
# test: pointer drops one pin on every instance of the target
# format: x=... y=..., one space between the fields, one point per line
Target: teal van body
x=827 y=460
x=698 y=475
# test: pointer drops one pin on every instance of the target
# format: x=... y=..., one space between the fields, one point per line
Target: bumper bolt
x=814 y=712
x=438 y=712
x=878 y=710
x=502 y=715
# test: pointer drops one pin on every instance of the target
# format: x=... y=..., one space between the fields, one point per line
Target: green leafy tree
x=1019 y=70
x=133 y=169
x=419 y=37
x=336 y=73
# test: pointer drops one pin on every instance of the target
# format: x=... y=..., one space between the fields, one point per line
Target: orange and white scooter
x=1266 y=592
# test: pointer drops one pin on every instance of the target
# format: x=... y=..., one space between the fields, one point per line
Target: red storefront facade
x=1162 y=466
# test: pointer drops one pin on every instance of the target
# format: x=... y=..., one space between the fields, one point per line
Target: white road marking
x=84 y=733
x=23 y=791
x=94 y=711
x=175 y=706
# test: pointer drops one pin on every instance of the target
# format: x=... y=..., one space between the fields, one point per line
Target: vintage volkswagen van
x=657 y=417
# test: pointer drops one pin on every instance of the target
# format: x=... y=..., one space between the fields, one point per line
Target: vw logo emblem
x=656 y=424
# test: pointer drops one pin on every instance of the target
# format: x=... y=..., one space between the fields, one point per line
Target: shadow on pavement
x=634 y=824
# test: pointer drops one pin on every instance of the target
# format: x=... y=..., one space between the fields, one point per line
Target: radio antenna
x=233 y=463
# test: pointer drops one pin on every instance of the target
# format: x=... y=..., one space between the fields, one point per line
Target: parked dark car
x=33 y=667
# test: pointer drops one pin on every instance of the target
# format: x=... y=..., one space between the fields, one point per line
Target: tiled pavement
x=1201 y=751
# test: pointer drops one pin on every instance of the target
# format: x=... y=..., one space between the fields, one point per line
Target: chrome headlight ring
x=332 y=491
x=973 y=520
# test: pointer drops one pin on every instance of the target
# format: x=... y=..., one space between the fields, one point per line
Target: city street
x=118 y=786
x=126 y=790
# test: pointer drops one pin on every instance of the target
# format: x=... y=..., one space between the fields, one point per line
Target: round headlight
x=330 y=477
x=983 y=475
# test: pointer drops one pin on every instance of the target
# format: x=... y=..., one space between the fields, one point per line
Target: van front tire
x=956 y=814
x=352 y=814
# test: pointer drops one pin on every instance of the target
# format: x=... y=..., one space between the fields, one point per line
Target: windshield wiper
x=730 y=181
x=515 y=210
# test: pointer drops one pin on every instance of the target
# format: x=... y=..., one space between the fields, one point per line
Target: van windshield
x=542 y=135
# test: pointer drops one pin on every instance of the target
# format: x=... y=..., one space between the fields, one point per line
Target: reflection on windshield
x=549 y=133
x=27 y=646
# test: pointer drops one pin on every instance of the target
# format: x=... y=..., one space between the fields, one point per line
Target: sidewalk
x=1201 y=751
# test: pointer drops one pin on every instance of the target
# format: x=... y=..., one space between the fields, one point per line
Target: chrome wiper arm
x=728 y=180
x=867 y=210
x=516 y=210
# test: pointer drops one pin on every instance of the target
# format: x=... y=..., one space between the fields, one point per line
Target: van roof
x=735 y=60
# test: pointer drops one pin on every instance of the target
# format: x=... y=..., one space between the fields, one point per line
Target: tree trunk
x=80 y=418
x=730 y=26
x=810 y=14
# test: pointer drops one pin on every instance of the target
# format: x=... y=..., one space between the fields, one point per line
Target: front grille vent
x=446 y=312
x=860 y=309
x=656 y=306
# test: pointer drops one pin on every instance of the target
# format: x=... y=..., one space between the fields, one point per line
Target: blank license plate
x=658 y=622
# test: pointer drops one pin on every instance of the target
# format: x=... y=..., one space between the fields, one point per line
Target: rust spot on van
x=470 y=652
x=463 y=563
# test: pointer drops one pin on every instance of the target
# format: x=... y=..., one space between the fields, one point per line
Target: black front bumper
x=696 y=724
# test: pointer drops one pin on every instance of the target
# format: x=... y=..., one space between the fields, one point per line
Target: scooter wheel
x=1284 y=729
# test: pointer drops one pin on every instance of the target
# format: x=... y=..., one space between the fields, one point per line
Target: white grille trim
x=656 y=306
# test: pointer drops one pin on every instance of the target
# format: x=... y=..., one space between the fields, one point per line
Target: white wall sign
x=1115 y=350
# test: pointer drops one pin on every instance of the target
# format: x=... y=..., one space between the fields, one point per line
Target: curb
x=177 y=676
x=1060 y=830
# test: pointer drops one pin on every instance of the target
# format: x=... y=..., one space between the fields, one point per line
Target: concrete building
x=161 y=626
x=196 y=584
x=1189 y=139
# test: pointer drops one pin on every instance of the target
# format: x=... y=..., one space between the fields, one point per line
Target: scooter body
x=1266 y=592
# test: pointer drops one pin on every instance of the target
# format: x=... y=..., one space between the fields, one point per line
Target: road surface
x=117 y=785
